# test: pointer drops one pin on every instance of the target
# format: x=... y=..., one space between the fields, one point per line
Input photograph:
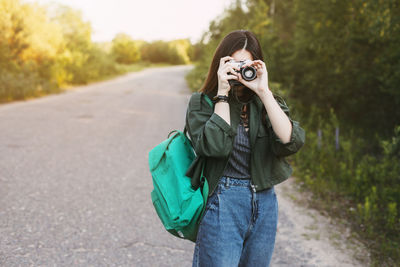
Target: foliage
x=43 y=48
x=361 y=187
x=174 y=52
x=26 y=52
x=125 y=50
x=348 y=48
x=41 y=52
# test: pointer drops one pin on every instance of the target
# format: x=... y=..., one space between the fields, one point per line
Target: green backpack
x=177 y=204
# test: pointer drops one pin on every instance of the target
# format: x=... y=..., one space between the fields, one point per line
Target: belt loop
x=227 y=182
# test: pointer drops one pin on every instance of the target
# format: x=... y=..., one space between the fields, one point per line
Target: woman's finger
x=244 y=82
x=224 y=68
x=231 y=65
x=223 y=60
x=260 y=63
x=231 y=70
x=228 y=70
x=231 y=77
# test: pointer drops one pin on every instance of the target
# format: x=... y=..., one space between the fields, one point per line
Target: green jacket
x=212 y=138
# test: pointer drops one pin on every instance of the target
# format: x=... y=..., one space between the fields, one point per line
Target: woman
x=243 y=140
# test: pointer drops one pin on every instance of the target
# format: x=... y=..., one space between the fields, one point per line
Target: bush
x=174 y=52
x=125 y=50
x=40 y=53
x=362 y=186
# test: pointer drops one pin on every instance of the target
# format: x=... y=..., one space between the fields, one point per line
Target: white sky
x=147 y=19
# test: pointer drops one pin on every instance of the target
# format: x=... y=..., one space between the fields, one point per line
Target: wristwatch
x=222 y=98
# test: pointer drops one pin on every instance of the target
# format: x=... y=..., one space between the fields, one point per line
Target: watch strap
x=222 y=98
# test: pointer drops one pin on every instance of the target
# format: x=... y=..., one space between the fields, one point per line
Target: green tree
x=125 y=50
x=77 y=44
x=29 y=44
x=346 y=56
x=174 y=52
x=178 y=51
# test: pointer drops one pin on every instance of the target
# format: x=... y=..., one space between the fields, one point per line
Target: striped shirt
x=239 y=160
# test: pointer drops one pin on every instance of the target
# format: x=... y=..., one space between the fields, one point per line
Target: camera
x=248 y=73
x=240 y=91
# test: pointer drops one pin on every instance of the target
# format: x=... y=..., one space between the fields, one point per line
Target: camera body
x=248 y=73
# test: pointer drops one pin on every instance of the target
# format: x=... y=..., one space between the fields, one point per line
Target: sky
x=147 y=19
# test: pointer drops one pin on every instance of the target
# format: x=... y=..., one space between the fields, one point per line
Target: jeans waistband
x=230 y=181
x=234 y=181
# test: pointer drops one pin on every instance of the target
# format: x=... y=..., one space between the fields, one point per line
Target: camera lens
x=249 y=73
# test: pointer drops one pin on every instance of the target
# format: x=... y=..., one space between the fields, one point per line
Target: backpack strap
x=208 y=100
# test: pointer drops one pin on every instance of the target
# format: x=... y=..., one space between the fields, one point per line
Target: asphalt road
x=75 y=185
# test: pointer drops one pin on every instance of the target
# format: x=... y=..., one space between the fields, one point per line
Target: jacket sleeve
x=297 y=136
x=211 y=135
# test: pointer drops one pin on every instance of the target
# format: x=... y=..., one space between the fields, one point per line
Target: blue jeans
x=238 y=227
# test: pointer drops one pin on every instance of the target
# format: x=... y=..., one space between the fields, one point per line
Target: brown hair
x=236 y=40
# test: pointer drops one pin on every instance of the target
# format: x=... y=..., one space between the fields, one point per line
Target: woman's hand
x=226 y=71
x=260 y=84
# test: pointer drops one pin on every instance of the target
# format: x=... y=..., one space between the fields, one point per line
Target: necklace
x=244 y=117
